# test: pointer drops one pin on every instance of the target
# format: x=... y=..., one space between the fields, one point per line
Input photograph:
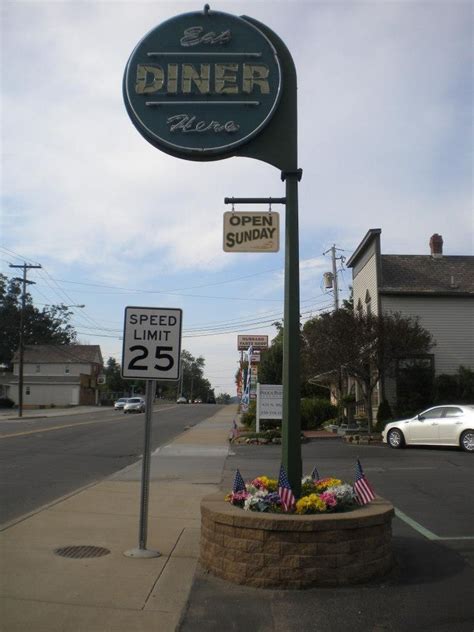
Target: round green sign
x=202 y=84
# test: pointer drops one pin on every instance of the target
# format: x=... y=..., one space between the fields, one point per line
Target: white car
x=135 y=405
x=450 y=425
x=120 y=403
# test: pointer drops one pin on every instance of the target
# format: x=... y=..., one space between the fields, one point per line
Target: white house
x=59 y=375
x=436 y=288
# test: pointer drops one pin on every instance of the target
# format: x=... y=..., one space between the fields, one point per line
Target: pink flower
x=329 y=499
x=259 y=484
x=236 y=497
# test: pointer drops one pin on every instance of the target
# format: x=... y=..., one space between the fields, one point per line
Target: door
x=449 y=424
x=425 y=427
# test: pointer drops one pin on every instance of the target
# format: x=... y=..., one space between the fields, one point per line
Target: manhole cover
x=81 y=550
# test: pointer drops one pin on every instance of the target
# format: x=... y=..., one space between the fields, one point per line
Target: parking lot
x=431 y=585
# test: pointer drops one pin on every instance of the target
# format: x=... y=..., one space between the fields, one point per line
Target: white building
x=437 y=289
x=58 y=375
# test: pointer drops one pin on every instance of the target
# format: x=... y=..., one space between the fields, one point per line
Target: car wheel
x=395 y=439
x=467 y=441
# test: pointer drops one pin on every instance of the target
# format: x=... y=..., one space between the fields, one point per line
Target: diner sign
x=202 y=84
x=251 y=232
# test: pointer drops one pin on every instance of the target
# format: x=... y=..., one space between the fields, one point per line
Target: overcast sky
x=385 y=141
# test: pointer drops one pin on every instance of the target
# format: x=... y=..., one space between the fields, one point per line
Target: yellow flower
x=270 y=483
x=310 y=504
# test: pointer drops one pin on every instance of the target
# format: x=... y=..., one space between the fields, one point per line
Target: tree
x=47 y=326
x=365 y=346
x=271 y=364
x=223 y=398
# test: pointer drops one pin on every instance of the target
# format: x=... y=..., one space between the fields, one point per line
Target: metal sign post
x=142 y=551
x=151 y=351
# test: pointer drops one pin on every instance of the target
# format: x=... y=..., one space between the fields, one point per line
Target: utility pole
x=335 y=280
x=24 y=281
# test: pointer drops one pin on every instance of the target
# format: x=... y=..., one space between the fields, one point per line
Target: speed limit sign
x=152 y=343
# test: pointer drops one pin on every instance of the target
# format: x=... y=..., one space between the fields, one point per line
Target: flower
x=310 y=504
x=324 y=495
x=325 y=483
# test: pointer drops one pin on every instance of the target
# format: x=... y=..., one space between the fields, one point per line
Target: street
x=45 y=459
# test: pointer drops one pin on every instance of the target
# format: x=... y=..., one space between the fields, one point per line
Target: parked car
x=135 y=405
x=449 y=425
x=120 y=403
x=181 y=400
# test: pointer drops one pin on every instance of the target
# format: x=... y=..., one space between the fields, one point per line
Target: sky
x=384 y=141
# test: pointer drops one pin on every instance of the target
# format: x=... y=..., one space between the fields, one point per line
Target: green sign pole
x=207 y=86
x=291 y=426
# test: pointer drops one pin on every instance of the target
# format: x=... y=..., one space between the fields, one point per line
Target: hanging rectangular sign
x=152 y=343
x=251 y=231
x=256 y=341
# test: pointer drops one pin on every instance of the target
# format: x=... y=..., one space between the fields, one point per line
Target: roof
x=424 y=274
x=371 y=234
x=69 y=354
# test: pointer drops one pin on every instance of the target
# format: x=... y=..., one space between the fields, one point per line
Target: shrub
x=445 y=389
x=249 y=418
x=6 y=402
x=384 y=414
x=315 y=411
x=458 y=388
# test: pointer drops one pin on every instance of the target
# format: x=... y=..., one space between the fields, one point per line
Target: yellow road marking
x=80 y=423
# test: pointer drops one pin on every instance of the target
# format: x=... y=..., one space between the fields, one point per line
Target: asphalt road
x=42 y=460
x=431 y=586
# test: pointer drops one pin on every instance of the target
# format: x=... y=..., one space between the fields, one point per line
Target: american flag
x=315 y=474
x=239 y=483
x=363 y=489
x=284 y=490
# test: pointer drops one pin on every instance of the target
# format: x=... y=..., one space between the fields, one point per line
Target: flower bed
x=325 y=495
x=286 y=550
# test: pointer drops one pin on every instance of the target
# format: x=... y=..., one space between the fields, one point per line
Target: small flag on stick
x=362 y=487
x=284 y=490
x=235 y=430
x=315 y=474
x=239 y=483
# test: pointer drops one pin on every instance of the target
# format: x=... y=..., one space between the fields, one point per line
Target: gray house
x=437 y=289
x=59 y=375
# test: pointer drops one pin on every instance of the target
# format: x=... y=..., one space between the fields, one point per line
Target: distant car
x=135 y=405
x=120 y=403
x=449 y=425
x=198 y=401
x=181 y=400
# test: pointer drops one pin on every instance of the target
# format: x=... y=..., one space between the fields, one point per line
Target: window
x=27 y=390
x=451 y=411
x=434 y=413
x=38 y=368
x=67 y=369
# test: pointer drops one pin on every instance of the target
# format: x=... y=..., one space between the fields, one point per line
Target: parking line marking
x=426 y=532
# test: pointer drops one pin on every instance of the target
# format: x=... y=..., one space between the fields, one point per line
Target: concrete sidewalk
x=44 y=592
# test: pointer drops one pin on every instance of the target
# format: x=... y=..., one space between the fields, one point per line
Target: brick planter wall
x=286 y=551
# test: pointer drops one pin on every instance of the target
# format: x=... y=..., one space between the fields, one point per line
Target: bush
x=445 y=389
x=315 y=411
x=384 y=414
x=6 y=402
x=458 y=388
x=249 y=418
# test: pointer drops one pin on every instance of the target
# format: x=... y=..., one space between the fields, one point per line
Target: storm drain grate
x=81 y=550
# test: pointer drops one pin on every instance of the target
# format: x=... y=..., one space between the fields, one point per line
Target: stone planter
x=287 y=551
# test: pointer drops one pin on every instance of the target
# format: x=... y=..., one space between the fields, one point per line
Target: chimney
x=436 y=245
